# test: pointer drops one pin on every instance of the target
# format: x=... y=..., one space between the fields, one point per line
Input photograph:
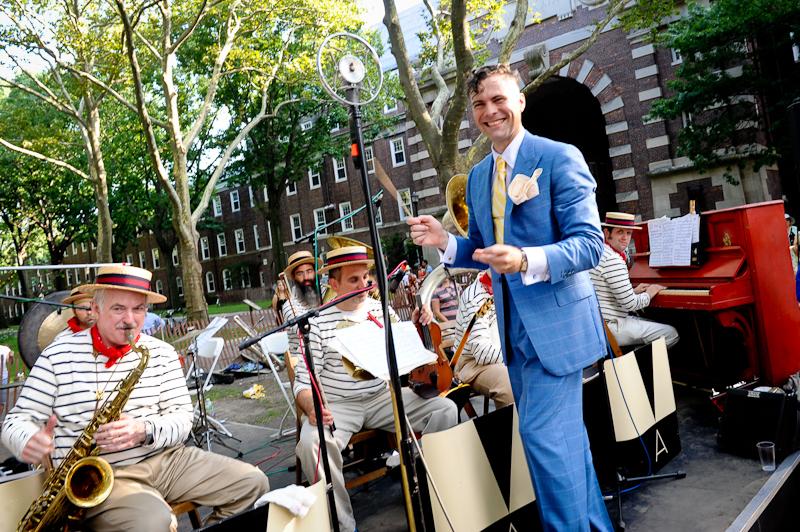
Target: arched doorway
x=563 y=109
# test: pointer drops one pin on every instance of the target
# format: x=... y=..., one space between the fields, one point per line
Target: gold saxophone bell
x=89 y=482
x=456 y=199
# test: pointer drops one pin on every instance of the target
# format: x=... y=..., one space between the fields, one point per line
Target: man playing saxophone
x=75 y=375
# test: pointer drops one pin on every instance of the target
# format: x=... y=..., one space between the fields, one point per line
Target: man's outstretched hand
x=427 y=231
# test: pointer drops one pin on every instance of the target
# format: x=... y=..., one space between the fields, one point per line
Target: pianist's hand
x=640 y=288
x=653 y=289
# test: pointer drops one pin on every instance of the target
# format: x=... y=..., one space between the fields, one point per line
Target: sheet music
x=671 y=240
x=365 y=346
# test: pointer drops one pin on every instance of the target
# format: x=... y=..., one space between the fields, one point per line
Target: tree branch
x=45 y=158
x=515 y=30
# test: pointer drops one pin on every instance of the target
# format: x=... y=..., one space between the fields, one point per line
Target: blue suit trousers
x=552 y=430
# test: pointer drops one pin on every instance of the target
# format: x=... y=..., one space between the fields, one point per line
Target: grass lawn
x=8 y=337
x=227 y=308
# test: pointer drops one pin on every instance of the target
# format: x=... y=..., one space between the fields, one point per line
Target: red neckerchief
x=112 y=353
x=74 y=325
x=622 y=254
x=486 y=281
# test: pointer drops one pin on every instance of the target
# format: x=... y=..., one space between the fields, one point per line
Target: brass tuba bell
x=456 y=198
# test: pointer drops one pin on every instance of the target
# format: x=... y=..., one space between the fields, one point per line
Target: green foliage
x=725 y=85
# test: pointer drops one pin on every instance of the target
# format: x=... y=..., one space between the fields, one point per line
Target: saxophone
x=82 y=480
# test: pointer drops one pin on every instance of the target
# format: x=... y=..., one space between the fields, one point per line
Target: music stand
x=621 y=394
x=207 y=428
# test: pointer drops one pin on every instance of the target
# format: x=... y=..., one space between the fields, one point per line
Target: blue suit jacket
x=561 y=316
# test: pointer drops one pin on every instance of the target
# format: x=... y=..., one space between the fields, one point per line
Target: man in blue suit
x=533 y=219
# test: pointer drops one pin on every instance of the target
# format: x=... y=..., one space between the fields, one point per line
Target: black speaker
x=752 y=416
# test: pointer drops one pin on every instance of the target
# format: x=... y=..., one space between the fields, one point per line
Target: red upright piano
x=736 y=312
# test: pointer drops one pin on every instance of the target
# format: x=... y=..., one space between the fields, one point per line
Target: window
x=77 y=276
x=404 y=198
x=369 y=157
x=236 y=205
x=239 y=236
x=266 y=194
x=66 y=254
x=217 y=204
x=222 y=247
x=74 y=248
x=83 y=247
x=256 y=237
x=344 y=210
x=179 y=286
x=176 y=259
x=313 y=178
x=69 y=279
x=129 y=258
x=142 y=260
x=156 y=261
x=676 y=56
x=297 y=229
x=210 y=287
x=319 y=220
x=390 y=106
x=250 y=195
x=159 y=287
x=291 y=188
x=244 y=277
x=306 y=125
x=269 y=234
x=261 y=279
x=87 y=274
x=398 y=152
x=95 y=247
x=205 y=252
x=339 y=170
x=227 y=283
x=378 y=216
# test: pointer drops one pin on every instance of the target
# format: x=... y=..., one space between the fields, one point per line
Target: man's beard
x=307 y=294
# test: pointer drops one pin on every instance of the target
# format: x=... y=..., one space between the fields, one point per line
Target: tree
x=727 y=86
x=188 y=48
x=41 y=204
x=456 y=43
x=78 y=46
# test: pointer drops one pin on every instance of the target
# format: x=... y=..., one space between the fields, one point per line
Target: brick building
x=599 y=103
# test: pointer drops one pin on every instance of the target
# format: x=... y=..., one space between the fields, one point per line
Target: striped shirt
x=65 y=381
x=336 y=382
x=613 y=286
x=483 y=344
x=290 y=310
x=448 y=300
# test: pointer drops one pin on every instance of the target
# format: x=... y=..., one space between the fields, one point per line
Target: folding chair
x=278 y=344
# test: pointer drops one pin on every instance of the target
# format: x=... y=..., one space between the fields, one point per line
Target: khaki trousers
x=142 y=492
x=360 y=413
x=489 y=379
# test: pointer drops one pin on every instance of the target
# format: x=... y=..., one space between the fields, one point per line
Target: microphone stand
x=411 y=488
x=303 y=325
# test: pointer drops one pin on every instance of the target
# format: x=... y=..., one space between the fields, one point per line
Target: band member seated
x=617 y=297
x=75 y=375
x=351 y=405
x=298 y=294
x=83 y=315
x=481 y=362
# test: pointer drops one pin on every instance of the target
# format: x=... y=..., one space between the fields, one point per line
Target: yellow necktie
x=499 y=198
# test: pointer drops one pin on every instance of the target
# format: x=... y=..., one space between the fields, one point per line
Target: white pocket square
x=523 y=188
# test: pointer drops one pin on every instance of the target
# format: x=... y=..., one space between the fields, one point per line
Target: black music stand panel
x=254 y=520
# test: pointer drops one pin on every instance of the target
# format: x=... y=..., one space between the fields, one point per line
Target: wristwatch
x=149 y=436
x=523 y=264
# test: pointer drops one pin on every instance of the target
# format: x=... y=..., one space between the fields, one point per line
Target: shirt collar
x=509 y=155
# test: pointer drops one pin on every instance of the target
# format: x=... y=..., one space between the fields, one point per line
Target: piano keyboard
x=691 y=292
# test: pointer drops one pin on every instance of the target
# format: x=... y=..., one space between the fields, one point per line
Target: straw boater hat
x=346 y=256
x=297 y=259
x=129 y=278
x=622 y=220
x=76 y=295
